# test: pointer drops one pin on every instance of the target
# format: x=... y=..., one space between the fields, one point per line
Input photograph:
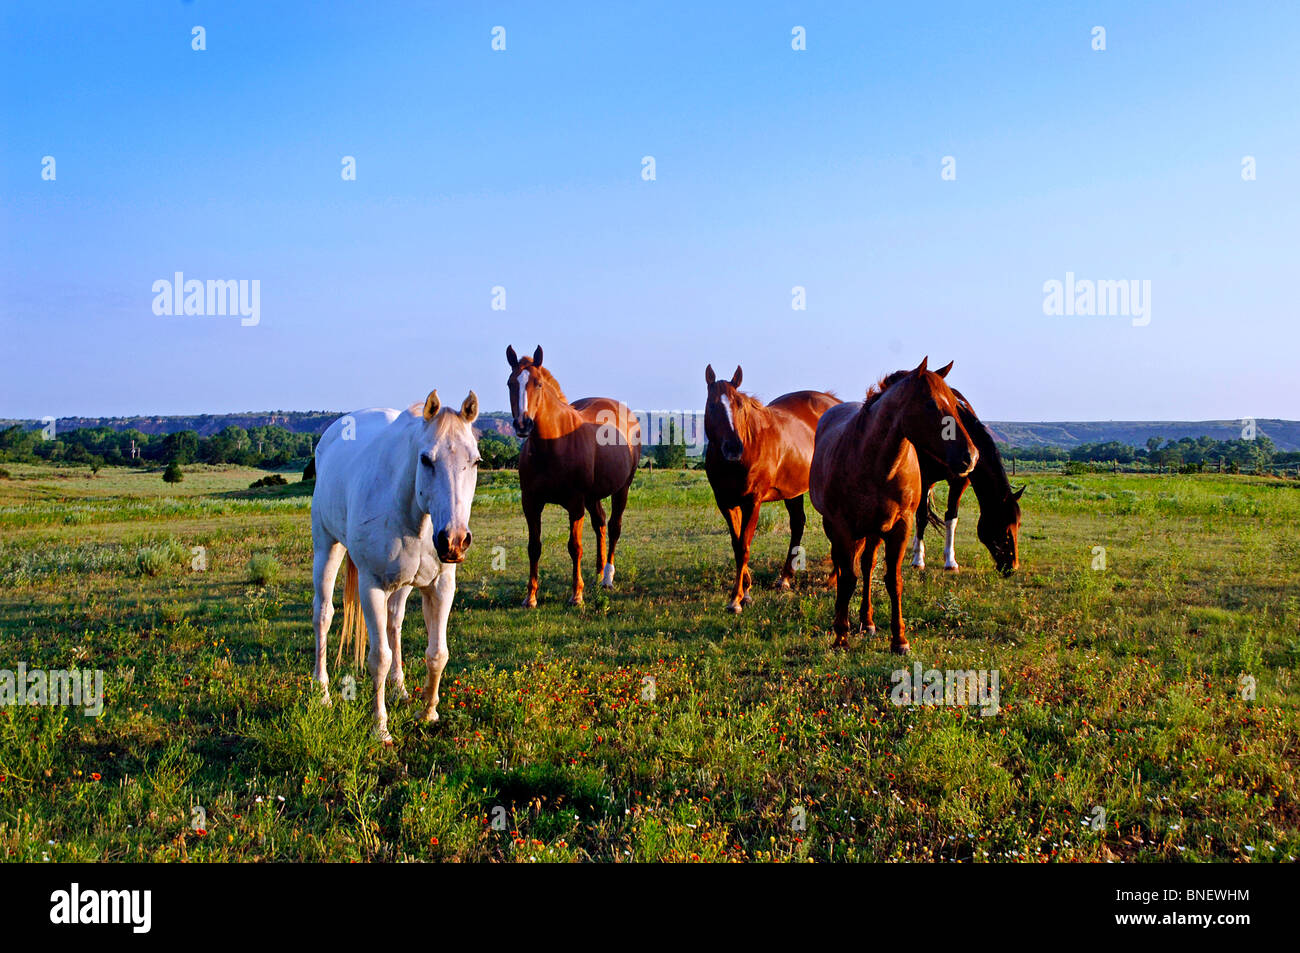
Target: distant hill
x=205 y=425
x=1285 y=434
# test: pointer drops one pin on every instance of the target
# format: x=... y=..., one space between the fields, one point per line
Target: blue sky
x=774 y=168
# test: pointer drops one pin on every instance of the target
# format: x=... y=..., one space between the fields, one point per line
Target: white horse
x=393 y=494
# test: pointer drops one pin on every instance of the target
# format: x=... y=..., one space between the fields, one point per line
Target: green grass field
x=649 y=724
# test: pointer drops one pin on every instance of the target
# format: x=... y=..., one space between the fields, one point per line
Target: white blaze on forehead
x=726 y=405
x=522 y=381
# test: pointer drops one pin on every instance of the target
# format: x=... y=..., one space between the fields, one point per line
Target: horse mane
x=742 y=406
x=983 y=439
x=548 y=379
x=877 y=390
x=747 y=402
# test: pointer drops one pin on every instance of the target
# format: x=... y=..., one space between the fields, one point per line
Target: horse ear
x=735 y=378
x=537 y=357
x=1016 y=495
x=431 y=404
x=920 y=368
x=710 y=378
x=943 y=371
x=469 y=409
x=511 y=356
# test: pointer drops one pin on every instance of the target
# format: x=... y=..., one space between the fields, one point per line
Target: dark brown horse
x=866 y=482
x=758 y=454
x=999 y=521
x=574 y=455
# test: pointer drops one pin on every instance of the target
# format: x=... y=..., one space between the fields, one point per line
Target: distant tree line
x=1187 y=453
x=268 y=447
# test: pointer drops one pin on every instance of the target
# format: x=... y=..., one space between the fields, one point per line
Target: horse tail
x=353 y=637
x=934 y=519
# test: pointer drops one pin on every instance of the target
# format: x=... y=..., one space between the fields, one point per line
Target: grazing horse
x=758 y=454
x=999 y=521
x=574 y=455
x=866 y=482
x=393 y=492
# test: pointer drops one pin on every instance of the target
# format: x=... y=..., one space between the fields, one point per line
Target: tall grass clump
x=263 y=569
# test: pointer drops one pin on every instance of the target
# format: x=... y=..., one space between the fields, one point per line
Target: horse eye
x=427 y=460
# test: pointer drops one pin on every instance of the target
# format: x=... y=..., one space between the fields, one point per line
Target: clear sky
x=774 y=168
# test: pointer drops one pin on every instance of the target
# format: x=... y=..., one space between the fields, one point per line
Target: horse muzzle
x=451 y=546
x=732 y=450
x=523 y=428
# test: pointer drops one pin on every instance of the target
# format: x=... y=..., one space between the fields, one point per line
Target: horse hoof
x=784 y=586
x=734 y=607
x=529 y=603
x=900 y=648
x=747 y=600
x=918 y=565
x=429 y=716
x=326 y=701
x=575 y=600
x=868 y=629
x=405 y=696
x=384 y=738
x=953 y=568
x=840 y=642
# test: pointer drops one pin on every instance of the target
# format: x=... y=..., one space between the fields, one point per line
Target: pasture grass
x=649 y=724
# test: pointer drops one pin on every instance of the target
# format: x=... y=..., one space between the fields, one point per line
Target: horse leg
x=866 y=612
x=396 y=615
x=844 y=555
x=747 y=530
x=324 y=571
x=597 y=512
x=732 y=517
x=374 y=606
x=533 y=516
x=955 y=490
x=895 y=544
x=798 y=520
x=741 y=521
x=575 y=552
x=617 y=504
x=922 y=518
x=435 y=601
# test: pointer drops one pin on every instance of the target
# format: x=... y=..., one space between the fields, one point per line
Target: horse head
x=931 y=419
x=720 y=415
x=447 y=473
x=999 y=530
x=527 y=383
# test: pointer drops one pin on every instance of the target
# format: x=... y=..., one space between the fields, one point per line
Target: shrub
x=263 y=569
x=273 y=480
x=157 y=559
x=173 y=473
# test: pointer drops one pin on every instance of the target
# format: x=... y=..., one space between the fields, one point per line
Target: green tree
x=173 y=473
x=181 y=447
x=670 y=454
x=499 y=452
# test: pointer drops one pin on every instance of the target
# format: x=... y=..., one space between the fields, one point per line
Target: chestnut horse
x=758 y=454
x=574 y=455
x=999 y=520
x=866 y=482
